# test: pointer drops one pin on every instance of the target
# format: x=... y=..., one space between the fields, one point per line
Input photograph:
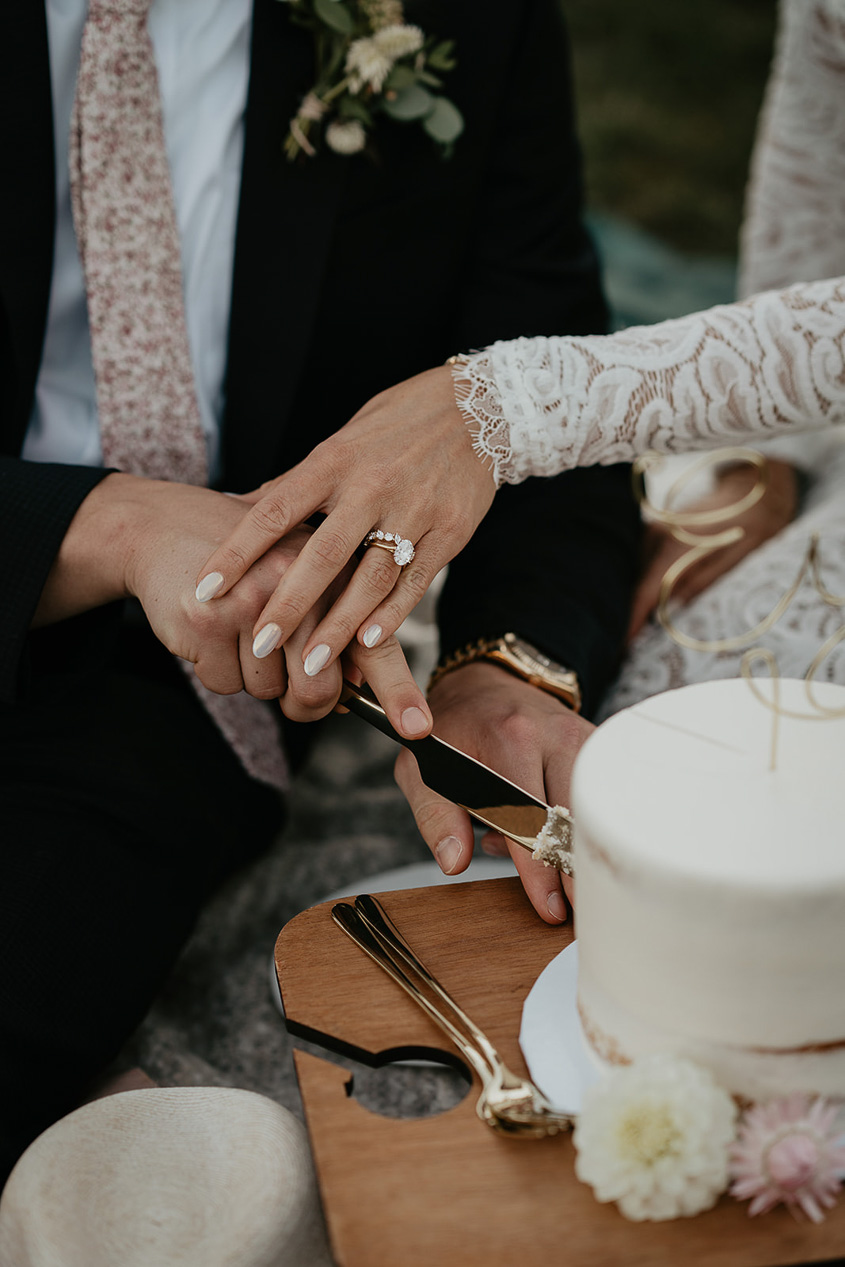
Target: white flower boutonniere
x=370 y=62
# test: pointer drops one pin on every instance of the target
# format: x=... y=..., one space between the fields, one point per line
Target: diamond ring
x=400 y=547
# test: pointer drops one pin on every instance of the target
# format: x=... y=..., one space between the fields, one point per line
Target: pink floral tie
x=129 y=244
x=128 y=239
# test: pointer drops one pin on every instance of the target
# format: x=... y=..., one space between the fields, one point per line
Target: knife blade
x=488 y=797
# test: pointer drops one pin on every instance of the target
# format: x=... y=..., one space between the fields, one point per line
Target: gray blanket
x=216 y=1023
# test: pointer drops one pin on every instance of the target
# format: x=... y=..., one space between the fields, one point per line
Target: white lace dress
x=772 y=365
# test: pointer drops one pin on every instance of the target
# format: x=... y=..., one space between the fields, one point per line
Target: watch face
x=535 y=657
x=542 y=671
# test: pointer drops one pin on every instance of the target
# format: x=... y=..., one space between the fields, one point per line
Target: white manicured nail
x=317 y=660
x=371 y=635
x=209 y=587
x=266 y=641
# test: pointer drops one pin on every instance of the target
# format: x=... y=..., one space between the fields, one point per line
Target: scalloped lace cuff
x=510 y=395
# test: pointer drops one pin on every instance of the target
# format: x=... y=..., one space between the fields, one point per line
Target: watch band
x=522 y=659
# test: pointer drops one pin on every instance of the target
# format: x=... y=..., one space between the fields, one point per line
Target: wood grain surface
x=446 y=1189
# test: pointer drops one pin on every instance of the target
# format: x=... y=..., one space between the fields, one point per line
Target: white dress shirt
x=202 y=54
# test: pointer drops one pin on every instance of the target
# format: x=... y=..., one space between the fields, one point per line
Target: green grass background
x=667 y=95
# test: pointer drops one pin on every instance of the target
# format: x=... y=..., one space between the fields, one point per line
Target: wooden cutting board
x=447 y=1191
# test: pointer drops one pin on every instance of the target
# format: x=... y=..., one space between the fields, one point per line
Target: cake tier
x=710 y=889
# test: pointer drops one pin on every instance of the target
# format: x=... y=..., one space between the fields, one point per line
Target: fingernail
x=317 y=659
x=414 y=721
x=448 y=854
x=209 y=587
x=557 y=907
x=266 y=640
x=371 y=635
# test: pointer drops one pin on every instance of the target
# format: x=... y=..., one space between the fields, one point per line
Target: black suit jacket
x=351 y=275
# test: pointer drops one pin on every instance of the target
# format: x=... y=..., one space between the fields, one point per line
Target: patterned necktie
x=128 y=238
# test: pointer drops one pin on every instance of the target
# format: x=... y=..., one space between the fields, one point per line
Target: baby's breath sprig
x=370 y=62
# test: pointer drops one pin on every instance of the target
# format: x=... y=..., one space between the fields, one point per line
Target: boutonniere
x=370 y=62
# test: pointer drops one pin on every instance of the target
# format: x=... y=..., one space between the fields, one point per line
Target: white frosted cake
x=710 y=889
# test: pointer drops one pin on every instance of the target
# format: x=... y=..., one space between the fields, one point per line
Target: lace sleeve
x=794 y=226
x=735 y=374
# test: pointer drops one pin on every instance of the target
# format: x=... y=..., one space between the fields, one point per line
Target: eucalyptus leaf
x=423 y=77
x=441 y=56
x=445 y=123
x=413 y=102
x=335 y=15
x=400 y=77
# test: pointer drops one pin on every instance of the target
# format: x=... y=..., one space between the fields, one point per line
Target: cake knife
x=488 y=797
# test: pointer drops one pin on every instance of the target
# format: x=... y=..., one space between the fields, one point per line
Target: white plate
x=551 y=1036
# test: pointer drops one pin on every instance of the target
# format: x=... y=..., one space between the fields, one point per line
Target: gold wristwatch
x=520 y=658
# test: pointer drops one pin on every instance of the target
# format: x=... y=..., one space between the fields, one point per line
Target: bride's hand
x=776 y=508
x=404 y=464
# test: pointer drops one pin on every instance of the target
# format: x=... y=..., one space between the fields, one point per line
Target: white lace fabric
x=772 y=364
x=736 y=373
x=794 y=227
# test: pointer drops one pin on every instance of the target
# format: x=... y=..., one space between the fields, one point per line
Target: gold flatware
x=508 y=1103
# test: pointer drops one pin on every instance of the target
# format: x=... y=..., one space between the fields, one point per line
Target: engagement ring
x=400 y=547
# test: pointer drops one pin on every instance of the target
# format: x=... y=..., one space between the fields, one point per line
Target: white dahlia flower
x=654 y=1137
x=398 y=41
x=346 y=138
x=367 y=64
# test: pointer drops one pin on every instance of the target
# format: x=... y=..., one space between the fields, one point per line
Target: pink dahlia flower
x=788 y=1151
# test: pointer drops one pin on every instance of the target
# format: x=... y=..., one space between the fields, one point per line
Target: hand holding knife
x=489 y=798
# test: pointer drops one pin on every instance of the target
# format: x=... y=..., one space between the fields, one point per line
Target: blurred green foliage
x=667 y=95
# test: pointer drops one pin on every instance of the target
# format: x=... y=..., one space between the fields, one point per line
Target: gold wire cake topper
x=682 y=524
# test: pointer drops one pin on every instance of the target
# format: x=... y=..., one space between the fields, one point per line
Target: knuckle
x=432 y=819
x=222 y=681
x=265 y=692
x=342 y=631
x=417 y=581
x=519 y=732
x=233 y=559
x=388 y=659
x=332 y=547
x=265 y=682
x=310 y=700
x=384 y=479
x=380 y=575
x=205 y=623
x=336 y=453
x=393 y=612
x=454 y=523
x=271 y=516
x=247 y=599
x=287 y=611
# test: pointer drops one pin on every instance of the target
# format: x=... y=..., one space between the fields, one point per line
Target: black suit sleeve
x=37 y=503
x=555 y=560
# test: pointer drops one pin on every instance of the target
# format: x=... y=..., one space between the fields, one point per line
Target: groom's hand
x=146 y=538
x=522 y=733
x=218 y=638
